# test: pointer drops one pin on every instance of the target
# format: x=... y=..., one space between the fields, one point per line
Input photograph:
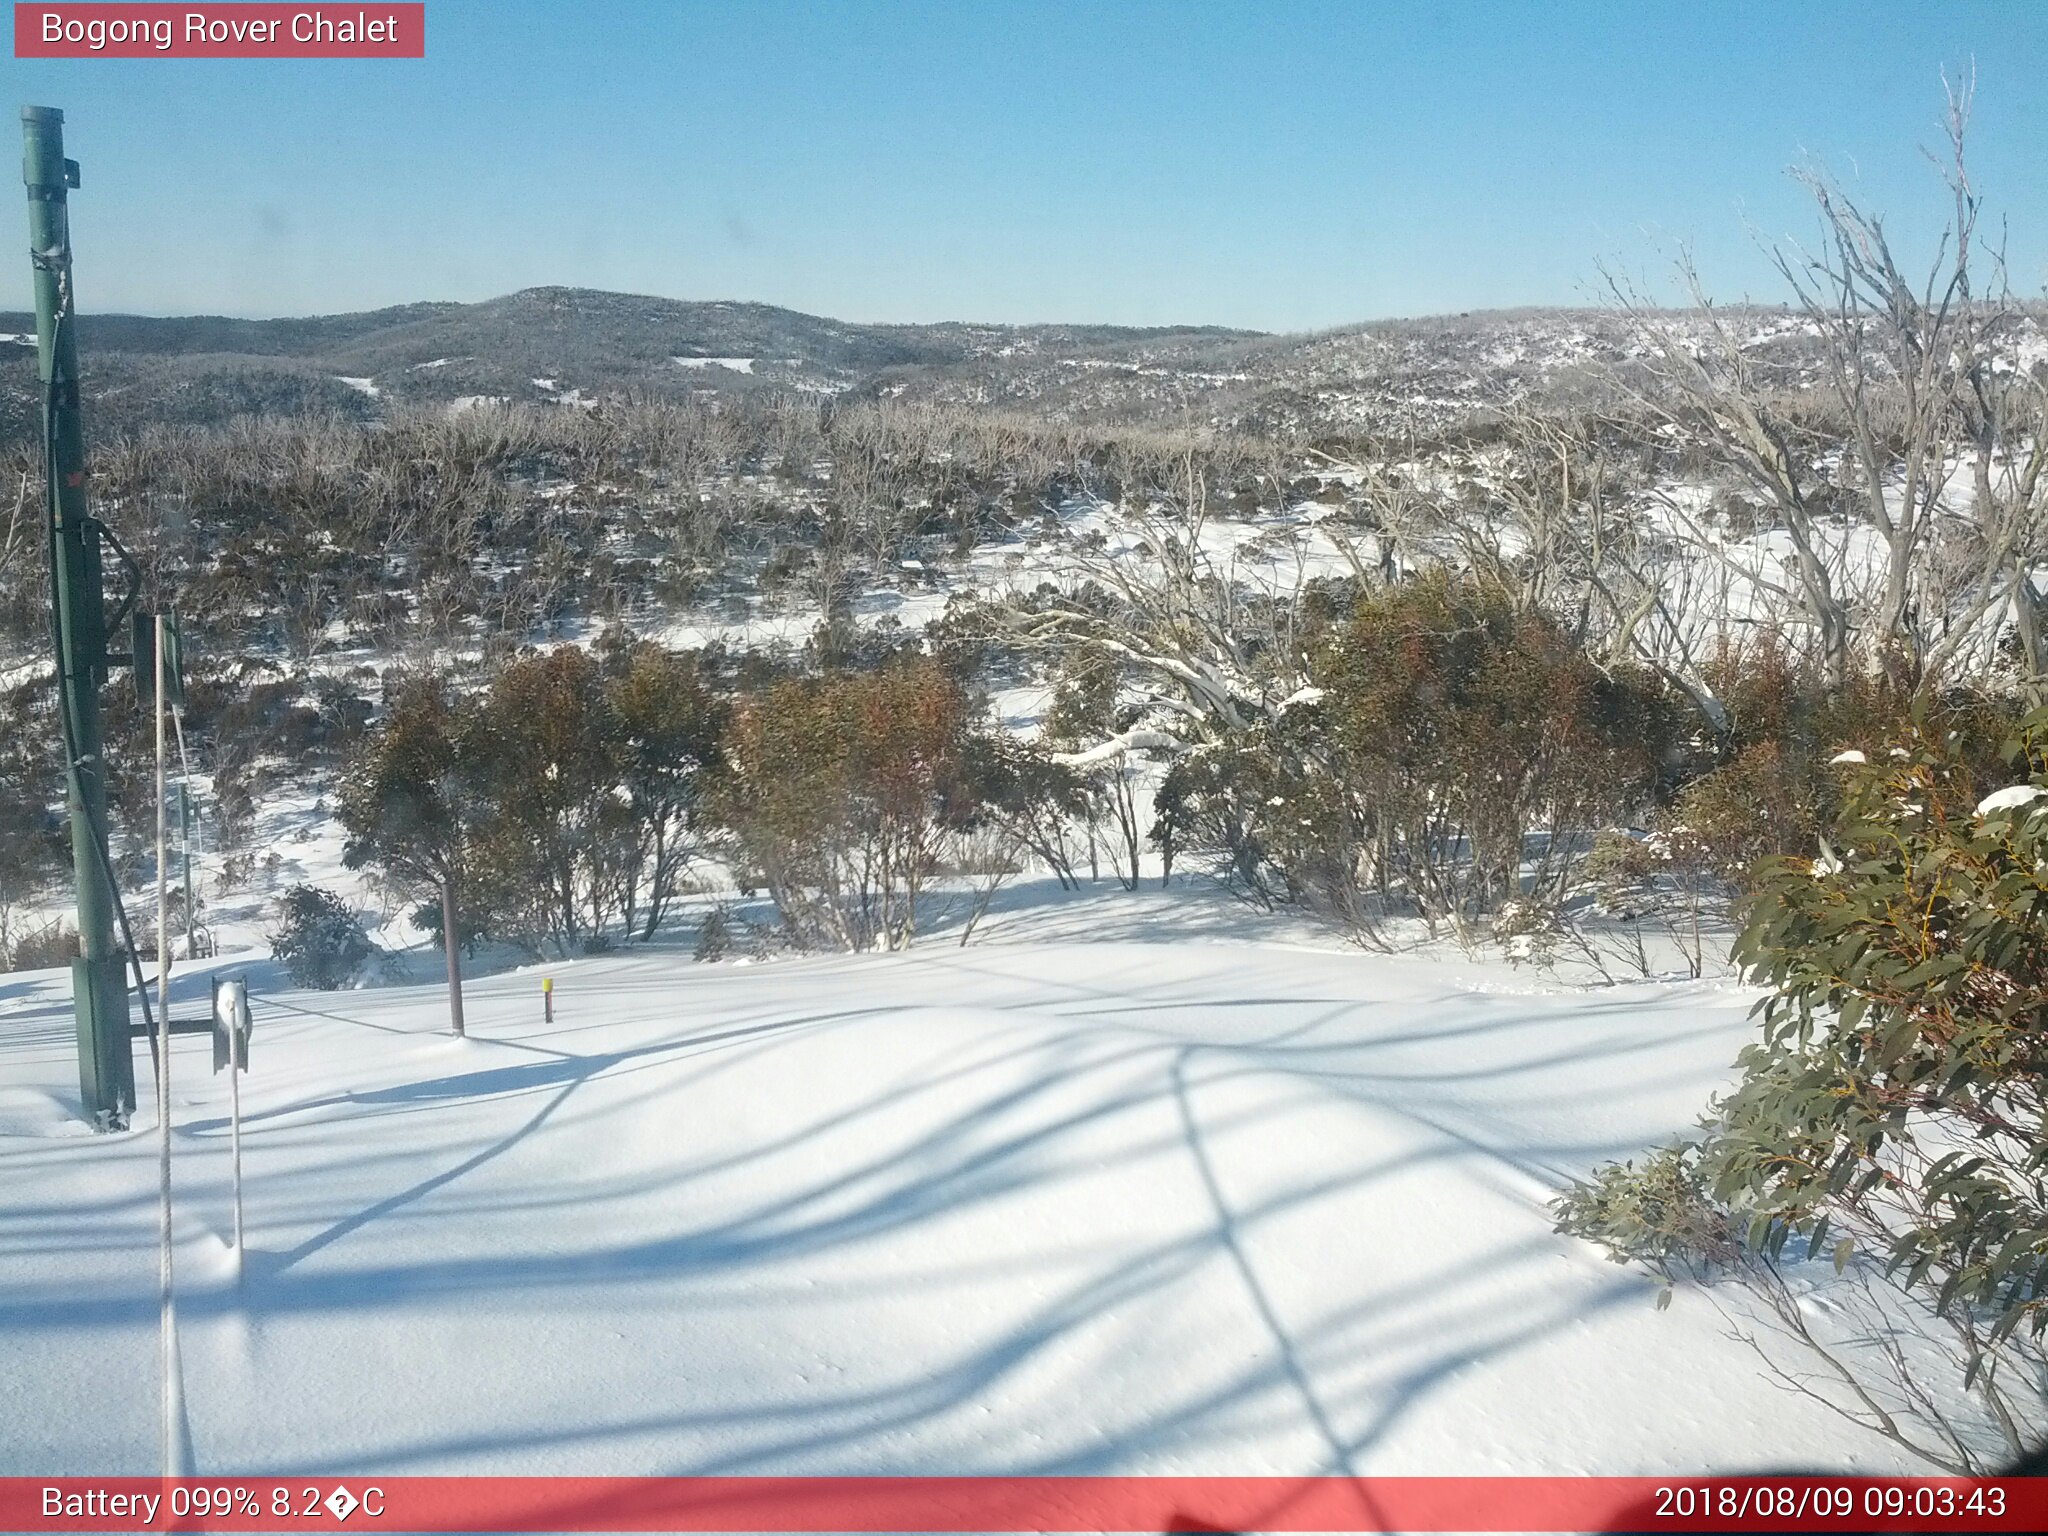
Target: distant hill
x=578 y=346
x=571 y=344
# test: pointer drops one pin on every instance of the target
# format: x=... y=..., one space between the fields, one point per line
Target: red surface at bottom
x=1024 y=1504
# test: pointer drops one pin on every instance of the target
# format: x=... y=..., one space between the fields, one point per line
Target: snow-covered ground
x=1138 y=1182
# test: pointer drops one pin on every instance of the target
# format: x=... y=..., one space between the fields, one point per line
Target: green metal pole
x=106 y=1069
x=185 y=849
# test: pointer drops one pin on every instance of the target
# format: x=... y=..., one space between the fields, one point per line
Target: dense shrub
x=1769 y=787
x=1894 y=1111
x=591 y=770
x=42 y=949
x=1661 y=1214
x=1450 y=749
x=318 y=938
x=850 y=794
x=563 y=801
x=33 y=852
x=714 y=935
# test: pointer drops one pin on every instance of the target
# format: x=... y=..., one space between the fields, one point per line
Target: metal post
x=185 y=850
x=235 y=1122
x=547 y=999
x=185 y=832
x=231 y=1050
x=106 y=1071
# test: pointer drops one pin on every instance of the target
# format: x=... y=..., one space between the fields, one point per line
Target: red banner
x=1050 y=1504
x=100 y=30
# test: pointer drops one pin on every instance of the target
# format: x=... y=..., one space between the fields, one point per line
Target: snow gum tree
x=591 y=768
x=670 y=724
x=561 y=804
x=841 y=791
x=559 y=820
x=1098 y=737
x=410 y=807
x=1908 y=488
x=1767 y=785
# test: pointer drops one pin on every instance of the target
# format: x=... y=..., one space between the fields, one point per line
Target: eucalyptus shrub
x=318 y=938
x=1893 y=1113
x=1901 y=1086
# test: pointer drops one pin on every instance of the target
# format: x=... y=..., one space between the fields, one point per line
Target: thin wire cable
x=169 y=1327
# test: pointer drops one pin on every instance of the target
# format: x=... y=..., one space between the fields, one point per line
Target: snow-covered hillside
x=1139 y=1183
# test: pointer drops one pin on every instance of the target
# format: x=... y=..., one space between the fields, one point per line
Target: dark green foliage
x=408 y=799
x=843 y=793
x=318 y=938
x=714 y=935
x=427 y=918
x=1032 y=798
x=1900 y=1090
x=1895 y=1106
x=563 y=802
x=1474 y=717
x=669 y=722
x=543 y=741
x=1454 y=742
x=1769 y=787
x=1661 y=1214
x=849 y=795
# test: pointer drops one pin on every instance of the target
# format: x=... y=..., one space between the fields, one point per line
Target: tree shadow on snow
x=1006 y=1114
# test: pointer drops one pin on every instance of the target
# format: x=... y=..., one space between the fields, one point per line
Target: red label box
x=364 y=29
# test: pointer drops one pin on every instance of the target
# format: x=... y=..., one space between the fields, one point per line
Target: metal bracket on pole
x=230 y=1024
x=231 y=1027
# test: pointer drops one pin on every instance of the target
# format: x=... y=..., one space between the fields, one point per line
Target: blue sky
x=1282 y=165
